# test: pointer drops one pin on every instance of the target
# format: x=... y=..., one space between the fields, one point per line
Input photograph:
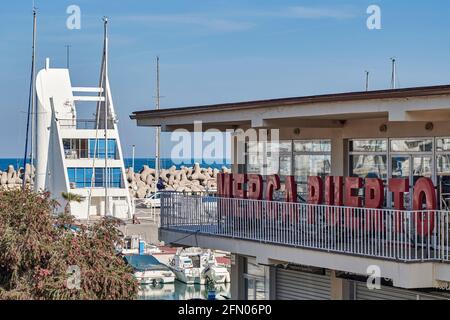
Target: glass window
x=312 y=165
x=368 y=166
x=412 y=145
x=312 y=146
x=254 y=275
x=285 y=165
x=442 y=144
x=368 y=146
x=98 y=147
x=282 y=146
x=443 y=165
x=81 y=177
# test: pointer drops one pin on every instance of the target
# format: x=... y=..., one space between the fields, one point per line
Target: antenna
x=68 y=46
x=394 y=73
x=31 y=103
x=367 y=80
x=158 y=129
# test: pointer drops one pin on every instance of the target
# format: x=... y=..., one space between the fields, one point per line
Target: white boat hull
x=217 y=274
x=155 y=277
x=190 y=276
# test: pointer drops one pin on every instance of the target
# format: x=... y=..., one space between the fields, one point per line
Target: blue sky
x=215 y=51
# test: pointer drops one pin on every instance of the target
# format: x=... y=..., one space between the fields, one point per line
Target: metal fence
x=382 y=233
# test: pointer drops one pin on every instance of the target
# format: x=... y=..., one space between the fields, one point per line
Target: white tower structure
x=76 y=155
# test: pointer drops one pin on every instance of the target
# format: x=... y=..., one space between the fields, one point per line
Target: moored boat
x=148 y=270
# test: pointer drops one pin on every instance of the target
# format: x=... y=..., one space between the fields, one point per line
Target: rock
x=4 y=179
x=141 y=193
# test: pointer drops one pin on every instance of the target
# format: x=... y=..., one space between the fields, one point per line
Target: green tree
x=38 y=253
x=71 y=197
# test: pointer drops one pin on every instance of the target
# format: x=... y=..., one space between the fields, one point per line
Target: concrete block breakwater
x=12 y=178
x=141 y=183
x=185 y=179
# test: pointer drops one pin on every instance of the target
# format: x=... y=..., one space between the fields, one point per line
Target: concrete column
x=338 y=155
x=237 y=278
x=337 y=287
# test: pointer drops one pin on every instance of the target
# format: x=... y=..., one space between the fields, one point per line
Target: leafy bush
x=38 y=252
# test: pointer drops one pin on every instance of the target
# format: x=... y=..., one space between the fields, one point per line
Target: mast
x=158 y=129
x=106 y=104
x=394 y=74
x=31 y=105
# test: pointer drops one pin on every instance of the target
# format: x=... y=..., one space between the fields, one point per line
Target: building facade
x=314 y=245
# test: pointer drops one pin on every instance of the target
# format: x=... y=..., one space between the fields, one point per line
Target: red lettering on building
x=255 y=187
x=424 y=193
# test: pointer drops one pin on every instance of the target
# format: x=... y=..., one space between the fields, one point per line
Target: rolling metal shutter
x=389 y=293
x=295 y=285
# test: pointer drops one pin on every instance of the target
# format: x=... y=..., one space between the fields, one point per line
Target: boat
x=188 y=266
x=213 y=272
x=148 y=270
x=130 y=245
x=197 y=266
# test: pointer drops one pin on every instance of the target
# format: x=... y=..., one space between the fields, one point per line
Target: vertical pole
x=106 y=104
x=31 y=102
x=158 y=129
x=33 y=93
x=367 y=80
x=394 y=74
x=68 y=56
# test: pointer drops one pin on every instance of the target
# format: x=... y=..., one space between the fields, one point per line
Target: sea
x=138 y=163
x=182 y=291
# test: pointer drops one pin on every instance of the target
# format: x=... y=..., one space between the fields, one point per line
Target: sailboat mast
x=158 y=129
x=31 y=104
x=106 y=104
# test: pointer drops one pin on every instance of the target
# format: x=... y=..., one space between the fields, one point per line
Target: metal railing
x=80 y=124
x=407 y=236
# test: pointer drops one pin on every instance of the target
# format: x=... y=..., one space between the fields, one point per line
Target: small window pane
x=412 y=145
x=285 y=165
x=312 y=165
x=443 y=165
x=283 y=146
x=253 y=164
x=368 y=166
x=443 y=145
x=368 y=146
x=312 y=146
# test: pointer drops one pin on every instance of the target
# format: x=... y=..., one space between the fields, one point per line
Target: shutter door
x=389 y=293
x=295 y=285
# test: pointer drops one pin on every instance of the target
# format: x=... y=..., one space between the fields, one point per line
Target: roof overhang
x=412 y=104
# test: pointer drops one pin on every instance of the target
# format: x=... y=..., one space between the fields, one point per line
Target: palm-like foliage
x=71 y=197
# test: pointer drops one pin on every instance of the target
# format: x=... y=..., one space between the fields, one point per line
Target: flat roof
x=336 y=97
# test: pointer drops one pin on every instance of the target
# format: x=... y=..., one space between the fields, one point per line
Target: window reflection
x=412 y=145
x=368 y=166
x=312 y=146
x=368 y=146
x=442 y=144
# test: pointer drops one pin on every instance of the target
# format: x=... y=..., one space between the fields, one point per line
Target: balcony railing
x=407 y=236
x=78 y=124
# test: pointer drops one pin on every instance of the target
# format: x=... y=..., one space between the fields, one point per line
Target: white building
x=279 y=251
x=77 y=155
